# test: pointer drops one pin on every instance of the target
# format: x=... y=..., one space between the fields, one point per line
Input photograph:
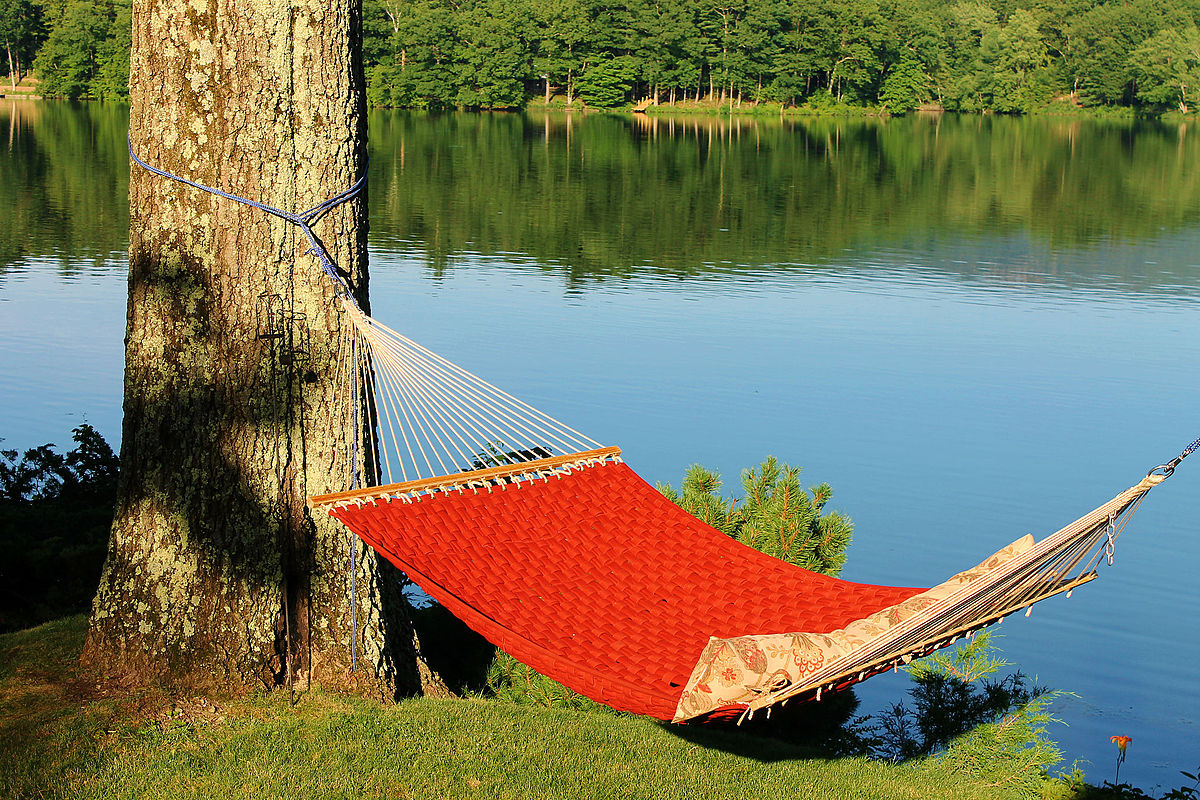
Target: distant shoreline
x=1058 y=108
x=750 y=109
x=26 y=89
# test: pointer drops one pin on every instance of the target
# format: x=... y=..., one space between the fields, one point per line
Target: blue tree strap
x=1169 y=467
x=302 y=220
x=1187 y=451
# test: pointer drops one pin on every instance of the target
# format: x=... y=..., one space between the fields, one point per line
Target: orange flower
x=1122 y=742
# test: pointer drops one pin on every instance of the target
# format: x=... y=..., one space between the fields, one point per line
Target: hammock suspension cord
x=1168 y=468
x=442 y=419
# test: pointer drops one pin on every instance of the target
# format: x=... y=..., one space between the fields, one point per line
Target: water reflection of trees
x=599 y=197
x=602 y=197
x=64 y=181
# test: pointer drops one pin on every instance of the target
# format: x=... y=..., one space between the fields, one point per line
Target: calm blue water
x=959 y=386
x=950 y=417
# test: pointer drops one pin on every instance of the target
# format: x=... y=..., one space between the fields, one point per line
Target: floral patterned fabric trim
x=737 y=671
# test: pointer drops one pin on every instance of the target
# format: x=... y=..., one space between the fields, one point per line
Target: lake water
x=973 y=328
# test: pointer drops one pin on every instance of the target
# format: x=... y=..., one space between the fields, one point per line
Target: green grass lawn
x=61 y=736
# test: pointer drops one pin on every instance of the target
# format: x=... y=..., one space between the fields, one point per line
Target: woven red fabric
x=598 y=581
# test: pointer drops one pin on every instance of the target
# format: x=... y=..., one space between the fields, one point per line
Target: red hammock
x=597 y=580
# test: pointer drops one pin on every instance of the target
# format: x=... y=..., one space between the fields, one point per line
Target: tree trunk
x=12 y=69
x=217 y=574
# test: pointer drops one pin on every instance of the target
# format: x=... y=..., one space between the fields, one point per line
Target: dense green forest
x=823 y=55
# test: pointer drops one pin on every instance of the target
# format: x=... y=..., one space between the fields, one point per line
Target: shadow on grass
x=455 y=652
x=795 y=731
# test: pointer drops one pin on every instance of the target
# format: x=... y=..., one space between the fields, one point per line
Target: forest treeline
x=1004 y=55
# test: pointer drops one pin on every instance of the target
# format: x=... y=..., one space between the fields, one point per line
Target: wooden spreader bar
x=479 y=476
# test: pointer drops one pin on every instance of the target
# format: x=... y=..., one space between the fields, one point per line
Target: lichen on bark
x=217 y=575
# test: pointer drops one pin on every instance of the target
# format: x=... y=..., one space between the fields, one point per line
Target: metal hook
x=1167 y=469
x=1110 y=548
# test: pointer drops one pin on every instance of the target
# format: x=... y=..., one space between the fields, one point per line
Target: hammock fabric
x=552 y=572
x=580 y=569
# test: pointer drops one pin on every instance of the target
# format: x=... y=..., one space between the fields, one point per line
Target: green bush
x=905 y=88
x=964 y=716
x=55 y=515
x=606 y=84
x=776 y=516
x=514 y=682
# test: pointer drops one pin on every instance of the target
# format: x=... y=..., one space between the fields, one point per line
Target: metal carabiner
x=1168 y=469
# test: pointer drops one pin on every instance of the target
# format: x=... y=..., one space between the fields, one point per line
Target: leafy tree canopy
x=899 y=54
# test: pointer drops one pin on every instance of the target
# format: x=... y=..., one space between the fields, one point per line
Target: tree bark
x=12 y=69
x=217 y=574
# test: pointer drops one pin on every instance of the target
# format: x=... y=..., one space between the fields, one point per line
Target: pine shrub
x=776 y=516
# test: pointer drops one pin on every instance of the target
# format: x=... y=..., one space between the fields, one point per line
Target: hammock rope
x=546 y=543
x=437 y=412
x=354 y=403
